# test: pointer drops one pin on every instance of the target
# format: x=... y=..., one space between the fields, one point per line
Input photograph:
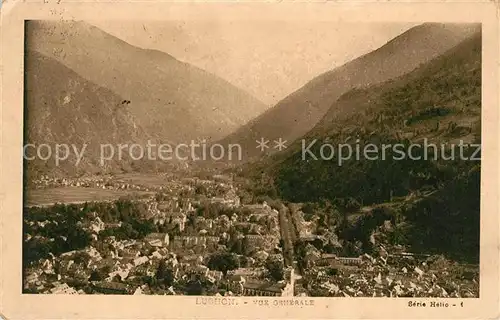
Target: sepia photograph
x=244 y=162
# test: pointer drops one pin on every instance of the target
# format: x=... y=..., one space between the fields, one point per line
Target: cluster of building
x=253 y=286
x=189 y=237
x=378 y=277
x=392 y=273
x=97 y=182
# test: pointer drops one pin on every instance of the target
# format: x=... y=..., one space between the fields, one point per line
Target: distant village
x=120 y=266
x=205 y=241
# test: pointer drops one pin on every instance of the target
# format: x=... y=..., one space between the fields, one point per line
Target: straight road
x=288 y=235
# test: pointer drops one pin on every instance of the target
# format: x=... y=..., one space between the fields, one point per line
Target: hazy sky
x=269 y=59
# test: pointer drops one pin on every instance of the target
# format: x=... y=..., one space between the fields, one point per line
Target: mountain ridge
x=63 y=108
x=297 y=113
x=173 y=98
x=430 y=196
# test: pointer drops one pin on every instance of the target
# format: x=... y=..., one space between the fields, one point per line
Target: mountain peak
x=299 y=112
x=172 y=98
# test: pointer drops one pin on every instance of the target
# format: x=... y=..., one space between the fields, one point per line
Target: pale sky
x=268 y=59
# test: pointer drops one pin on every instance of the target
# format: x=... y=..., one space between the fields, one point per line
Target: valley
x=272 y=224
x=159 y=245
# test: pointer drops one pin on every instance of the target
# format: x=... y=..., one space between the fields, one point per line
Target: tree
x=164 y=275
x=81 y=257
x=96 y=276
x=223 y=262
x=237 y=246
x=161 y=272
x=201 y=189
x=195 y=288
x=168 y=280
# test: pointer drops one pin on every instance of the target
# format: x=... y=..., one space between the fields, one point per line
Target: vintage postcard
x=249 y=160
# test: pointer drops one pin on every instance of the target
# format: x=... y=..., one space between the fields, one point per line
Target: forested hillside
x=439 y=102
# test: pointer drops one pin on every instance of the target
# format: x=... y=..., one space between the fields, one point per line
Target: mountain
x=299 y=112
x=431 y=194
x=173 y=99
x=63 y=108
x=439 y=101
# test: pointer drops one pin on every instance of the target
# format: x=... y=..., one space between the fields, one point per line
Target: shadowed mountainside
x=176 y=101
x=63 y=108
x=440 y=190
x=298 y=113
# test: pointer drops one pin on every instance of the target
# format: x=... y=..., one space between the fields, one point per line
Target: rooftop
x=110 y=285
x=264 y=286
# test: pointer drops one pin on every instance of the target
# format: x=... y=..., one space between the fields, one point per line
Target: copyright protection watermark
x=194 y=151
x=201 y=150
x=315 y=150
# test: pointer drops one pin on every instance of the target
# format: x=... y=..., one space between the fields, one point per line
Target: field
x=46 y=197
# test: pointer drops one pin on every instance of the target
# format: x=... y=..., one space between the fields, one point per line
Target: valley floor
x=191 y=236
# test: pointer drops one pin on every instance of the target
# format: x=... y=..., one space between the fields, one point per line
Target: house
x=156 y=255
x=258 y=207
x=128 y=243
x=113 y=225
x=331 y=287
x=68 y=254
x=350 y=261
x=202 y=223
x=260 y=255
x=166 y=206
x=170 y=291
x=152 y=209
x=192 y=259
x=235 y=283
x=333 y=260
x=223 y=222
x=97 y=225
x=321 y=276
x=145 y=269
x=306 y=228
x=327 y=260
x=251 y=287
x=129 y=253
x=140 y=260
x=192 y=241
x=122 y=273
x=276 y=257
x=158 y=239
x=62 y=288
x=172 y=262
x=214 y=276
x=31 y=279
x=138 y=291
x=247 y=272
x=261 y=288
x=93 y=253
x=312 y=255
x=312 y=238
x=198 y=270
x=260 y=242
x=186 y=205
x=110 y=287
x=47 y=266
x=77 y=272
x=107 y=262
x=178 y=219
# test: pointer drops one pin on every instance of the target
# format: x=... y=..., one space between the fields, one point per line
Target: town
x=201 y=236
